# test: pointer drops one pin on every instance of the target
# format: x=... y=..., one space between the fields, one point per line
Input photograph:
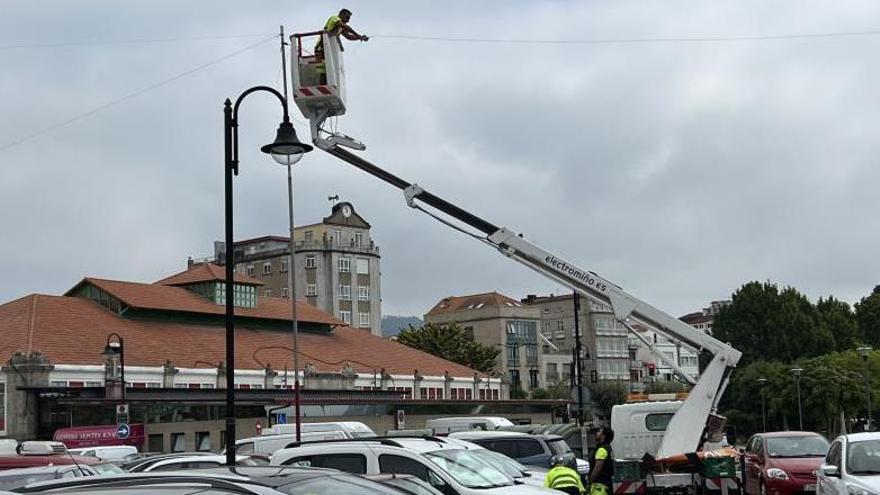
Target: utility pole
x=577 y=359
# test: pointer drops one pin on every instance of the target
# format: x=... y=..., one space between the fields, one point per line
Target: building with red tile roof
x=174 y=337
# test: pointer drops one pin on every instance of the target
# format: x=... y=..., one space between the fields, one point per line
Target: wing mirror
x=830 y=471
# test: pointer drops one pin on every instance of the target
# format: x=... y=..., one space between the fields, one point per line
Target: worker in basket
x=564 y=476
x=602 y=462
x=336 y=26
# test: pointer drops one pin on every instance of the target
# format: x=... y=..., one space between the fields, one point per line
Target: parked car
x=200 y=462
x=175 y=483
x=531 y=450
x=444 y=465
x=444 y=426
x=530 y=475
x=406 y=483
x=852 y=466
x=349 y=429
x=268 y=444
x=142 y=463
x=11 y=479
x=107 y=453
x=784 y=462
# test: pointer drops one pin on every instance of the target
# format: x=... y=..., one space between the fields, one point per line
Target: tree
x=840 y=320
x=868 y=317
x=607 y=394
x=764 y=322
x=451 y=342
x=560 y=390
x=664 y=387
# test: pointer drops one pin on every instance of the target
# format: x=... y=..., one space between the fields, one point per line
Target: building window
x=311 y=289
x=178 y=442
x=338 y=235
x=533 y=378
x=203 y=441
x=363 y=266
x=345 y=292
x=285 y=293
x=345 y=315
x=344 y=264
x=250 y=270
x=364 y=320
x=357 y=239
x=283 y=266
x=308 y=236
x=267 y=292
x=364 y=292
x=311 y=262
x=267 y=268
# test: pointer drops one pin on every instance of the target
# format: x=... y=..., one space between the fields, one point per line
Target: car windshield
x=802 y=446
x=863 y=458
x=469 y=470
x=500 y=462
x=559 y=446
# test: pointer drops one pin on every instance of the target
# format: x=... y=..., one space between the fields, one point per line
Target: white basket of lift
x=318 y=75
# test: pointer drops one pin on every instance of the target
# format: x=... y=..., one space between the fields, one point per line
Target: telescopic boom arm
x=681 y=436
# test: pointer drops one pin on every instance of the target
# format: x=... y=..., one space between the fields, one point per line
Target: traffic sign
x=122 y=431
x=400 y=420
x=281 y=419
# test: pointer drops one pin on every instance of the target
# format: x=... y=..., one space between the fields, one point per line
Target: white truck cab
x=445 y=426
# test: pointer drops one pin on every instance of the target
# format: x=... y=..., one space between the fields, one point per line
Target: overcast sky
x=678 y=170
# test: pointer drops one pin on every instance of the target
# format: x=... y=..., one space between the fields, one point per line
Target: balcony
x=370 y=248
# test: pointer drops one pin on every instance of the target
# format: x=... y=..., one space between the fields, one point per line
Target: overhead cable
x=133 y=94
x=614 y=41
x=62 y=44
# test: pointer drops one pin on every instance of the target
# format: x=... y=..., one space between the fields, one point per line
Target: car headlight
x=777 y=473
x=857 y=490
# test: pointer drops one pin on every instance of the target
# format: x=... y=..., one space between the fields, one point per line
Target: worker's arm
x=352 y=35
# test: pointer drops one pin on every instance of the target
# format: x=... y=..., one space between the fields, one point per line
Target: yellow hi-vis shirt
x=332 y=24
x=563 y=477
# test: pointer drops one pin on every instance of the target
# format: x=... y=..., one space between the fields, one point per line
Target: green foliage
x=766 y=323
x=838 y=318
x=560 y=390
x=518 y=393
x=664 y=387
x=868 y=317
x=832 y=393
x=607 y=394
x=450 y=342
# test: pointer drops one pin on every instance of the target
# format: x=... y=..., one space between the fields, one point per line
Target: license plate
x=809 y=488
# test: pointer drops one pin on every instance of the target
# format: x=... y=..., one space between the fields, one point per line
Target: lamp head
x=865 y=351
x=287 y=148
x=111 y=350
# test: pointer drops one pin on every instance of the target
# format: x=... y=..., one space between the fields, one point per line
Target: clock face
x=346 y=211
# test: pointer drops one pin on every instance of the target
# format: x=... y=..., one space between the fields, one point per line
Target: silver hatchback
x=852 y=466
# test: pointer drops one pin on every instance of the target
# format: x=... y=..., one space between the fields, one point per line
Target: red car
x=783 y=462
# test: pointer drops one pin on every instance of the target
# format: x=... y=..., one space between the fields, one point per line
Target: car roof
x=482 y=435
x=858 y=437
x=789 y=434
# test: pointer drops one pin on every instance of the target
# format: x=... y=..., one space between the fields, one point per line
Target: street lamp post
x=285 y=144
x=865 y=352
x=111 y=349
x=797 y=377
x=762 y=382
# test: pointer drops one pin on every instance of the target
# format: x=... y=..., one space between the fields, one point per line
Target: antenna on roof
x=333 y=199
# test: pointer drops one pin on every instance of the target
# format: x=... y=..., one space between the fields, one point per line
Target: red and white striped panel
x=313 y=91
x=715 y=483
x=635 y=487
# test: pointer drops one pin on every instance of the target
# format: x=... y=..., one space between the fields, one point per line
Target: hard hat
x=567 y=460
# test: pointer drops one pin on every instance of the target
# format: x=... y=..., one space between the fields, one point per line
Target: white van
x=268 y=444
x=445 y=426
x=349 y=429
x=107 y=452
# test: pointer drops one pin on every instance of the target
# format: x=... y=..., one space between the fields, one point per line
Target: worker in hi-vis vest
x=563 y=476
x=602 y=462
x=336 y=26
